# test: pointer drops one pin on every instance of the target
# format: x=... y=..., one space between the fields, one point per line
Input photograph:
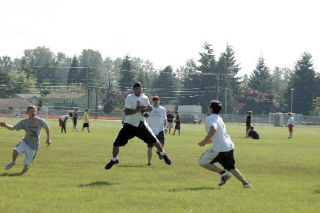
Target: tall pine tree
x=302 y=83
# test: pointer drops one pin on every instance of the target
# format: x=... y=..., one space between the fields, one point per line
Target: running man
x=222 y=148
x=157 y=120
x=31 y=141
x=135 y=124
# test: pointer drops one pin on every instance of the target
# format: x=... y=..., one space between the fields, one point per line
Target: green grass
x=69 y=175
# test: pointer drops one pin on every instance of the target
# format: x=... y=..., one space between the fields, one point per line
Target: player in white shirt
x=157 y=120
x=222 y=148
x=290 y=124
x=135 y=124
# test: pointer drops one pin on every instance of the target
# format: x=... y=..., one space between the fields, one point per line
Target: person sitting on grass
x=253 y=134
x=222 y=148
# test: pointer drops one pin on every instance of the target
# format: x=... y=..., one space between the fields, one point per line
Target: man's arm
x=165 y=125
x=8 y=126
x=48 y=141
x=207 y=139
x=138 y=109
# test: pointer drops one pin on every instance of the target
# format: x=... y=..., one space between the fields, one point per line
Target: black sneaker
x=160 y=157
x=166 y=159
x=149 y=164
x=111 y=163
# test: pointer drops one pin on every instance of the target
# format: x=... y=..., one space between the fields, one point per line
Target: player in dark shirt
x=170 y=118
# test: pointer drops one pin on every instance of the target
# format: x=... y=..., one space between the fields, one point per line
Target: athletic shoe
x=160 y=157
x=247 y=186
x=149 y=164
x=166 y=159
x=224 y=177
x=9 y=165
x=24 y=170
x=111 y=163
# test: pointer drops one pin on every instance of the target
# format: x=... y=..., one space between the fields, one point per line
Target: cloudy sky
x=166 y=32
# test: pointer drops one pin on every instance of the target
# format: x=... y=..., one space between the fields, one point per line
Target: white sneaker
x=247 y=186
x=224 y=177
x=24 y=170
x=9 y=165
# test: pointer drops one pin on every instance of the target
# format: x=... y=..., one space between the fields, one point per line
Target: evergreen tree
x=260 y=79
x=209 y=77
x=74 y=71
x=302 y=82
x=164 y=85
x=127 y=74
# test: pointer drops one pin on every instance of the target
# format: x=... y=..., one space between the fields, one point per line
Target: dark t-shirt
x=170 y=118
x=249 y=121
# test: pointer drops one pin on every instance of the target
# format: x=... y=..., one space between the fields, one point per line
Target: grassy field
x=69 y=176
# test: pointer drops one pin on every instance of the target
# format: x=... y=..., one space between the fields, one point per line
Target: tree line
x=212 y=76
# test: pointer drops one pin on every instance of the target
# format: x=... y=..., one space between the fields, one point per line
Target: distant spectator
x=63 y=121
x=86 y=120
x=249 y=122
x=75 y=116
x=253 y=134
x=170 y=118
x=290 y=125
x=177 y=126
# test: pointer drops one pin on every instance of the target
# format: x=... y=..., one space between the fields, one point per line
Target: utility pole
x=291 y=99
x=217 y=87
x=88 y=87
x=225 y=100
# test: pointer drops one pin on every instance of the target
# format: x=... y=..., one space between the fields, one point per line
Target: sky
x=166 y=32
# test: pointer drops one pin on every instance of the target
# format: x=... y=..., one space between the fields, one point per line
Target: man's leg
x=114 y=160
x=212 y=168
x=149 y=155
x=239 y=176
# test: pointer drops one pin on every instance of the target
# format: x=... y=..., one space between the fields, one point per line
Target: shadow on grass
x=11 y=174
x=132 y=166
x=193 y=189
x=97 y=183
x=317 y=191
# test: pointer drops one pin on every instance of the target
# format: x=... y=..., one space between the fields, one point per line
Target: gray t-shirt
x=33 y=131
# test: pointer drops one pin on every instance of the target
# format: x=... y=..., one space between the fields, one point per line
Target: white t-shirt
x=221 y=140
x=156 y=119
x=290 y=121
x=131 y=102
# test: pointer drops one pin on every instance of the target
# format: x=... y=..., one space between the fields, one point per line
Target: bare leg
x=14 y=155
x=238 y=175
x=149 y=154
x=115 y=151
x=212 y=168
x=174 y=131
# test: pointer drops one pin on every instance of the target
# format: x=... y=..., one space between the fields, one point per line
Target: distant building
x=30 y=97
x=69 y=101
x=13 y=105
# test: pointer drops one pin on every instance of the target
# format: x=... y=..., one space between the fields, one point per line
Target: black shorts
x=177 y=127
x=128 y=131
x=160 y=137
x=85 y=125
x=226 y=159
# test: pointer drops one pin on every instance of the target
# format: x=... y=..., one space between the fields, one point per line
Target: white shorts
x=170 y=124
x=207 y=157
x=21 y=148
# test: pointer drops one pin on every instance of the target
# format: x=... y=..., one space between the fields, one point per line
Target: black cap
x=137 y=84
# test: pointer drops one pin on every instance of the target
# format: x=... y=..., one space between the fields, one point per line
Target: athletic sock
x=221 y=173
x=162 y=153
x=114 y=159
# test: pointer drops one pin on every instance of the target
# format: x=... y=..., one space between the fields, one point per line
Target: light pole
x=291 y=98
